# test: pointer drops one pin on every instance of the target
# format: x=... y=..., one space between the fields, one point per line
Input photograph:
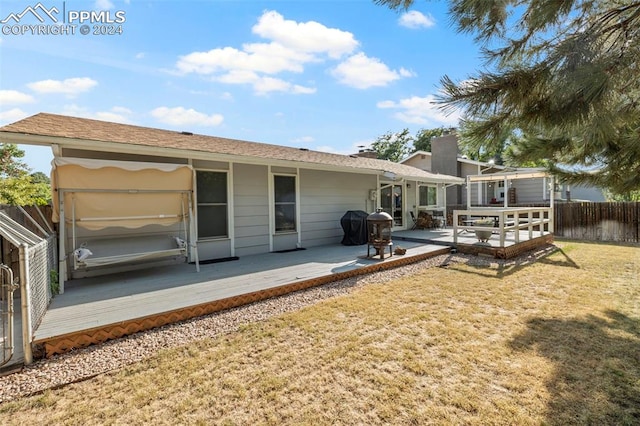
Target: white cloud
x=70 y=87
x=289 y=46
x=354 y=148
x=362 y=72
x=140 y=55
x=117 y=114
x=14 y=97
x=264 y=85
x=414 y=20
x=111 y=116
x=180 y=116
x=121 y=110
x=303 y=139
x=308 y=36
x=12 y=115
x=257 y=57
x=406 y=73
x=103 y=5
x=417 y=110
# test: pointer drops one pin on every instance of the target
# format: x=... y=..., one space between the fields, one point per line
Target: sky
x=327 y=75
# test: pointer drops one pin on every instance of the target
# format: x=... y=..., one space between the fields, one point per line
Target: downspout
x=25 y=303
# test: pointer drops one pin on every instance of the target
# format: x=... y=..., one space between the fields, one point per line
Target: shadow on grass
x=497 y=268
x=566 y=261
x=597 y=367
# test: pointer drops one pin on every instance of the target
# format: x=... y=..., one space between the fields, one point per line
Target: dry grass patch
x=552 y=342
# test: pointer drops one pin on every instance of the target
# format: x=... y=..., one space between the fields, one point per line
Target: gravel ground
x=85 y=363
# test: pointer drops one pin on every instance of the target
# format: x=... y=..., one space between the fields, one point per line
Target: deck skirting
x=508 y=252
x=65 y=343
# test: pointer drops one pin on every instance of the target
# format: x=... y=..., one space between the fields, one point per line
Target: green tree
x=563 y=73
x=422 y=140
x=17 y=186
x=393 y=146
x=629 y=196
x=10 y=163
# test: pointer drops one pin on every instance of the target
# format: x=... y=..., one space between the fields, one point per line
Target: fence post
x=25 y=303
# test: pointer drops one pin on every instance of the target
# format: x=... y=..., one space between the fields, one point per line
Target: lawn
x=553 y=342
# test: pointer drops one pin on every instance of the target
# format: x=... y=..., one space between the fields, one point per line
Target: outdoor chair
x=415 y=221
x=438 y=219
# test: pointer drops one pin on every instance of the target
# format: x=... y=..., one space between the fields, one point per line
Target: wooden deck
x=468 y=242
x=97 y=309
x=94 y=310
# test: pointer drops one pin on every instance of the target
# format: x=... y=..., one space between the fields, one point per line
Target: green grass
x=556 y=341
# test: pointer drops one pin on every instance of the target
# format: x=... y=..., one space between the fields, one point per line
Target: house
x=445 y=158
x=125 y=189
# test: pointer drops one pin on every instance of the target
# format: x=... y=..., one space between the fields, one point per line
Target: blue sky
x=326 y=75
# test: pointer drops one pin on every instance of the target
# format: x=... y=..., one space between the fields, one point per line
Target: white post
x=455 y=227
x=193 y=240
x=501 y=224
x=479 y=186
x=505 y=193
x=552 y=204
x=62 y=255
x=25 y=303
x=444 y=197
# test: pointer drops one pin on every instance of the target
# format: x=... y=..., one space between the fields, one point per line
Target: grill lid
x=379 y=216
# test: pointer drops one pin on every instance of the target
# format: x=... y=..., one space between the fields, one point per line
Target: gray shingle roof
x=97 y=132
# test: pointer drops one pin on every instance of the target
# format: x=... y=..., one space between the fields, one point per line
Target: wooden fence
x=598 y=221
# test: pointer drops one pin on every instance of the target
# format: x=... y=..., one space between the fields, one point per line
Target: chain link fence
x=41 y=278
x=28 y=246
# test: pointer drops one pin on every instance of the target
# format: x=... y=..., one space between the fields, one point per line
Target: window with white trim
x=284 y=188
x=427 y=195
x=212 y=204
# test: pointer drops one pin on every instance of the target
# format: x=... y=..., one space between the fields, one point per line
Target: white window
x=500 y=190
x=285 y=203
x=212 y=204
x=427 y=196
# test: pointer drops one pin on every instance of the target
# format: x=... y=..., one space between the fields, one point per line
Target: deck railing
x=539 y=219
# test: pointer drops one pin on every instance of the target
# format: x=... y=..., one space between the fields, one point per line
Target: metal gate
x=7 y=287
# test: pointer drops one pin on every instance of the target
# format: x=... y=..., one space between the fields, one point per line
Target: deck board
x=119 y=304
x=94 y=302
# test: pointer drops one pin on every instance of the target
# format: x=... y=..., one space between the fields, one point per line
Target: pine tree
x=565 y=74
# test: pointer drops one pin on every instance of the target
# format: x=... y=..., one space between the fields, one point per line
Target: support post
x=25 y=304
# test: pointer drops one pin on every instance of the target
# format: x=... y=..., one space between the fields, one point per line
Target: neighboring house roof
x=486 y=165
x=460 y=160
x=82 y=133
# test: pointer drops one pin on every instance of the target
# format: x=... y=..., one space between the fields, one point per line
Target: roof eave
x=117 y=147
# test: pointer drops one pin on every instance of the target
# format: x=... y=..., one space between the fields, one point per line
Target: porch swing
x=121 y=213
